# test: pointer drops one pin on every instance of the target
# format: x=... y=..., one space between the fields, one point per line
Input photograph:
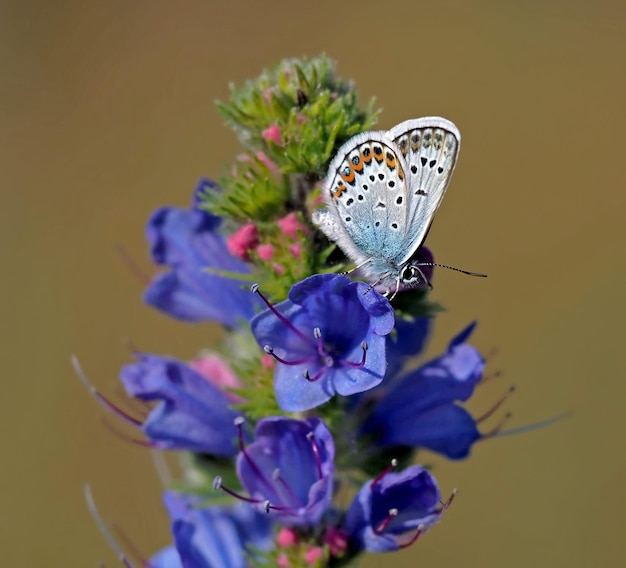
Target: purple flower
x=420 y=410
x=211 y=538
x=328 y=337
x=192 y=414
x=390 y=507
x=167 y=557
x=187 y=241
x=407 y=340
x=288 y=469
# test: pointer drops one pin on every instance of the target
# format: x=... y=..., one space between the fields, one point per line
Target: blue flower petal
x=348 y=315
x=166 y=558
x=187 y=241
x=413 y=493
x=282 y=467
x=213 y=537
x=420 y=410
x=192 y=414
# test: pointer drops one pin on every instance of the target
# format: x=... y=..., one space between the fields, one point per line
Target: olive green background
x=107 y=113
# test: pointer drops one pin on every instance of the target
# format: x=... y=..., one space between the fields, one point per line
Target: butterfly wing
x=366 y=198
x=430 y=147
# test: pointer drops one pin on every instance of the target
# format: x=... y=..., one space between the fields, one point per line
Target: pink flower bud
x=313 y=554
x=217 y=372
x=290 y=226
x=265 y=252
x=268 y=361
x=271 y=166
x=267 y=94
x=337 y=541
x=286 y=537
x=296 y=250
x=274 y=134
x=242 y=241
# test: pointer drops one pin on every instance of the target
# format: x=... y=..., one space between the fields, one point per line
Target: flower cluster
x=301 y=427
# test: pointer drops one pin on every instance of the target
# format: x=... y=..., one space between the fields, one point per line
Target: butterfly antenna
x=450 y=268
x=104 y=529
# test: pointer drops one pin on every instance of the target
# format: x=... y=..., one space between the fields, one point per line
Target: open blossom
x=288 y=469
x=187 y=241
x=421 y=408
x=389 y=512
x=213 y=537
x=328 y=337
x=191 y=414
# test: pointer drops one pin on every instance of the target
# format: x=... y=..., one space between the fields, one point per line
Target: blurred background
x=107 y=113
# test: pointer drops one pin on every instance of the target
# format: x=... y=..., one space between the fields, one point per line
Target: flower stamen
x=317 y=333
x=125 y=438
x=270 y=351
x=380 y=528
x=495 y=407
x=316 y=452
x=276 y=476
x=104 y=530
x=446 y=504
x=239 y=421
x=420 y=531
x=255 y=290
x=361 y=363
x=315 y=377
x=498 y=427
x=218 y=485
x=392 y=465
x=103 y=400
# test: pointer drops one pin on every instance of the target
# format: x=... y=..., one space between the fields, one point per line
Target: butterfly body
x=381 y=194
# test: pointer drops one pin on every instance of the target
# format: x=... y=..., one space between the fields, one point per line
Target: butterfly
x=381 y=193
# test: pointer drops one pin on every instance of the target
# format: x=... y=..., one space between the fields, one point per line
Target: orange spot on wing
x=400 y=172
x=338 y=191
x=390 y=160
x=348 y=178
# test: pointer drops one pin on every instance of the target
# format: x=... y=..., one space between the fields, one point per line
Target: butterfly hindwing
x=430 y=147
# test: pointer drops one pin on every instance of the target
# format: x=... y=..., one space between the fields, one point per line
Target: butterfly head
x=411 y=275
x=405 y=277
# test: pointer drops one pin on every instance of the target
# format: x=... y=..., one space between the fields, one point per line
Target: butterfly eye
x=410 y=275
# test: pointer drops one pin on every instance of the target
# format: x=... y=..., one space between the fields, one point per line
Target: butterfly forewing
x=430 y=147
x=367 y=188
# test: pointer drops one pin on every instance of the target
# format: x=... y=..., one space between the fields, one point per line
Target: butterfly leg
x=355 y=268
